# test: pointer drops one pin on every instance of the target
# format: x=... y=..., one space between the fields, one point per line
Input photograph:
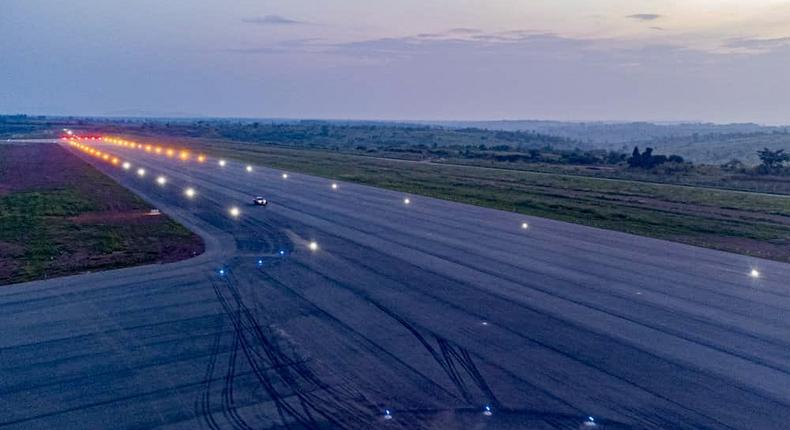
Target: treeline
x=21 y=125
x=609 y=135
x=647 y=160
x=316 y=134
x=547 y=155
x=772 y=162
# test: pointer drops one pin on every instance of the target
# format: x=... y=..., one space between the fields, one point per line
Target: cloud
x=453 y=33
x=511 y=36
x=644 y=16
x=463 y=30
x=429 y=35
x=293 y=46
x=512 y=44
x=758 y=44
x=259 y=50
x=523 y=42
x=522 y=73
x=520 y=44
x=271 y=20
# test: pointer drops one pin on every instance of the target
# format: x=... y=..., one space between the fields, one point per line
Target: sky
x=652 y=60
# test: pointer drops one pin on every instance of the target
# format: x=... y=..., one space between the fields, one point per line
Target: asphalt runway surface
x=407 y=316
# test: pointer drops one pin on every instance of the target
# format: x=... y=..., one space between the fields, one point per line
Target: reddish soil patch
x=37 y=166
x=116 y=217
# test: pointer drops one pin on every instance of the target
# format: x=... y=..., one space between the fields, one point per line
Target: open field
x=60 y=216
x=746 y=223
x=705 y=176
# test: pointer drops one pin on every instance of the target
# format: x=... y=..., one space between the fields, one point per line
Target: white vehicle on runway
x=260 y=201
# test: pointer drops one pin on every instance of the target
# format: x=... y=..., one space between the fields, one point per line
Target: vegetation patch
x=60 y=216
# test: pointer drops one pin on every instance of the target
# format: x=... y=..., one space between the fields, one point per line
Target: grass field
x=702 y=176
x=746 y=223
x=59 y=216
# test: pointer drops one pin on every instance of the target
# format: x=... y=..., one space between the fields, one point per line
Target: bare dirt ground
x=60 y=216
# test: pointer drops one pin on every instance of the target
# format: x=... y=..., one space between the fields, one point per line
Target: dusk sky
x=723 y=61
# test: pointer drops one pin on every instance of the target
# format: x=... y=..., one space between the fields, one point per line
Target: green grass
x=701 y=176
x=30 y=218
x=39 y=221
x=56 y=202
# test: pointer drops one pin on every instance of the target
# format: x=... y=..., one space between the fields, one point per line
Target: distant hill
x=720 y=148
x=613 y=132
x=698 y=142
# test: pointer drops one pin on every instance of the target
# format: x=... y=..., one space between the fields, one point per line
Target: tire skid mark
x=584 y=362
x=271 y=350
x=342 y=397
x=229 y=407
x=204 y=403
x=348 y=328
x=282 y=406
x=464 y=358
x=364 y=296
x=265 y=354
x=447 y=357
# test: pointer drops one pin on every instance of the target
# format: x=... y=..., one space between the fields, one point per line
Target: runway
x=430 y=314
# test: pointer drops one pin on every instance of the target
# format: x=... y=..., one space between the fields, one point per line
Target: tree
x=733 y=164
x=647 y=160
x=614 y=157
x=636 y=158
x=675 y=159
x=656 y=160
x=772 y=160
x=644 y=160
